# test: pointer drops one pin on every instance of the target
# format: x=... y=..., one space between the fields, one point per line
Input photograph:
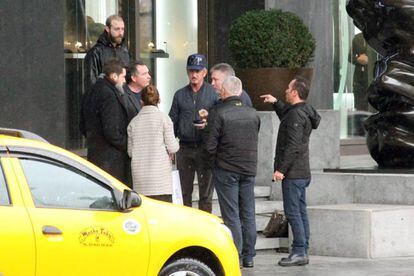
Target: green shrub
x=270 y=38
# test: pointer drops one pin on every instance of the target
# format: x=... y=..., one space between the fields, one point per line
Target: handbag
x=177 y=196
x=277 y=225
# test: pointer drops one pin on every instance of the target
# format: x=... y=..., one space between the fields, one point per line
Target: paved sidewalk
x=266 y=264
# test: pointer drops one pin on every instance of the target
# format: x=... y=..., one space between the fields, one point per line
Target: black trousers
x=191 y=160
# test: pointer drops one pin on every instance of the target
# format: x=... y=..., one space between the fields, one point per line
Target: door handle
x=51 y=230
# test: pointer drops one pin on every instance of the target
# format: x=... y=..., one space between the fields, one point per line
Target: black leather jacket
x=292 y=147
x=232 y=136
x=100 y=53
x=184 y=110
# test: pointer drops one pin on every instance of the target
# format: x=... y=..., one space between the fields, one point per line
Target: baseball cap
x=196 y=62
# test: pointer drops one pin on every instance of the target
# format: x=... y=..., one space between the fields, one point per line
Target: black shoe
x=248 y=263
x=294 y=260
x=286 y=258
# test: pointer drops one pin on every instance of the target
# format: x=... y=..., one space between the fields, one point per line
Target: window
x=4 y=194
x=56 y=185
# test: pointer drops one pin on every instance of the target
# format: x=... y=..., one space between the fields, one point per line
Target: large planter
x=273 y=81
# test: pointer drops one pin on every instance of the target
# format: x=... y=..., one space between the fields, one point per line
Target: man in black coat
x=232 y=138
x=107 y=110
x=110 y=45
x=291 y=166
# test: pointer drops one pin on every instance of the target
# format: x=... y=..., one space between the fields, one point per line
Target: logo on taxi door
x=96 y=236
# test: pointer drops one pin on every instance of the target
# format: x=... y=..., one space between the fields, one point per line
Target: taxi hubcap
x=184 y=273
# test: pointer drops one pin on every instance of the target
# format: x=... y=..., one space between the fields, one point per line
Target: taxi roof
x=16 y=138
x=21 y=134
x=13 y=144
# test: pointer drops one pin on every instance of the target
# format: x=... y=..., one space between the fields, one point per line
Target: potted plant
x=269 y=48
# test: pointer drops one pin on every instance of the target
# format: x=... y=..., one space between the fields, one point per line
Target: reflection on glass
x=146 y=31
x=53 y=185
x=363 y=58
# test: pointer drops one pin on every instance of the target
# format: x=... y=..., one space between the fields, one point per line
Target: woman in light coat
x=151 y=143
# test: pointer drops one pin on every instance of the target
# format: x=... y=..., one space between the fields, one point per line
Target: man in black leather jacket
x=297 y=119
x=110 y=45
x=232 y=140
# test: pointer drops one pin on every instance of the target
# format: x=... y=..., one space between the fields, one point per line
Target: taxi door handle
x=51 y=230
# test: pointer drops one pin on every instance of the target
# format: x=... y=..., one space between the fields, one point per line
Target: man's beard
x=120 y=88
x=116 y=40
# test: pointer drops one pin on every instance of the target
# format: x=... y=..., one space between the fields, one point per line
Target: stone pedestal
x=362 y=230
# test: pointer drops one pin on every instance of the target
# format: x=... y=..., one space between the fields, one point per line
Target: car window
x=56 y=185
x=4 y=193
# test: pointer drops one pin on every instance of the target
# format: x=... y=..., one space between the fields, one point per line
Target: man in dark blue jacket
x=221 y=71
x=291 y=166
x=188 y=127
x=232 y=140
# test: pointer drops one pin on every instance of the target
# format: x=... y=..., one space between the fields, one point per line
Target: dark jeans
x=294 y=204
x=189 y=161
x=236 y=198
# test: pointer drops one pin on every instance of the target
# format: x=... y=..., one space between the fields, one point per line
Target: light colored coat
x=150 y=139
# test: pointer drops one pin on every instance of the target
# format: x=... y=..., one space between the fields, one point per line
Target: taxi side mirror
x=130 y=199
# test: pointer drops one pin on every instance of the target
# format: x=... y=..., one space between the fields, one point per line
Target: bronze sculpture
x=388 y=27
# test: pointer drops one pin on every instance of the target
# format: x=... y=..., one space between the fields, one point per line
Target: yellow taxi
x=61 y=215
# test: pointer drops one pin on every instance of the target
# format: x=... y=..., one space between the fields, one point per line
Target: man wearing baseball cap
x=188 y=101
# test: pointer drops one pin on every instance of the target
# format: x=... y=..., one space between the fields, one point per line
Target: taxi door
x=78 y=227
x=17 y=242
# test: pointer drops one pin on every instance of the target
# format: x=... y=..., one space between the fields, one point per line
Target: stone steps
x=260 y=192
x=262 y=206
x=263 y=243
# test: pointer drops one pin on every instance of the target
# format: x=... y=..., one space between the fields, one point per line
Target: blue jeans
x=236 y=198
x=294 y=204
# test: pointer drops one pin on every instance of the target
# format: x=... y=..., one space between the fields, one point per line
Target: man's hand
x=172 y=156
x=203 y=113
x=362 y=59
x=201 y=125
x=268 y=98
x=278 y=175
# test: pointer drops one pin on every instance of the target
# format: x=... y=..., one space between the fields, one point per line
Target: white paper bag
x=177 y=196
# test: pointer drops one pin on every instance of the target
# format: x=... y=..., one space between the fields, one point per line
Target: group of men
x=217 y=130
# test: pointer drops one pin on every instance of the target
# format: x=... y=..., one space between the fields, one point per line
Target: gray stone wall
x=32 y=67
x=317 y=15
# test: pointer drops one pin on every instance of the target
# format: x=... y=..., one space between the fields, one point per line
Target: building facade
x=44 y=43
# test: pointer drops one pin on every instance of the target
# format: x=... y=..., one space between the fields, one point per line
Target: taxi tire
x=189 y=265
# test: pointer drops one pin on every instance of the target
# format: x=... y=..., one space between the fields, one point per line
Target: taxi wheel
x=186 y=266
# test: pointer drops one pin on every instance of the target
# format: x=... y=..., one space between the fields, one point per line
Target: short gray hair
x=232 y=85
x=224 y=68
